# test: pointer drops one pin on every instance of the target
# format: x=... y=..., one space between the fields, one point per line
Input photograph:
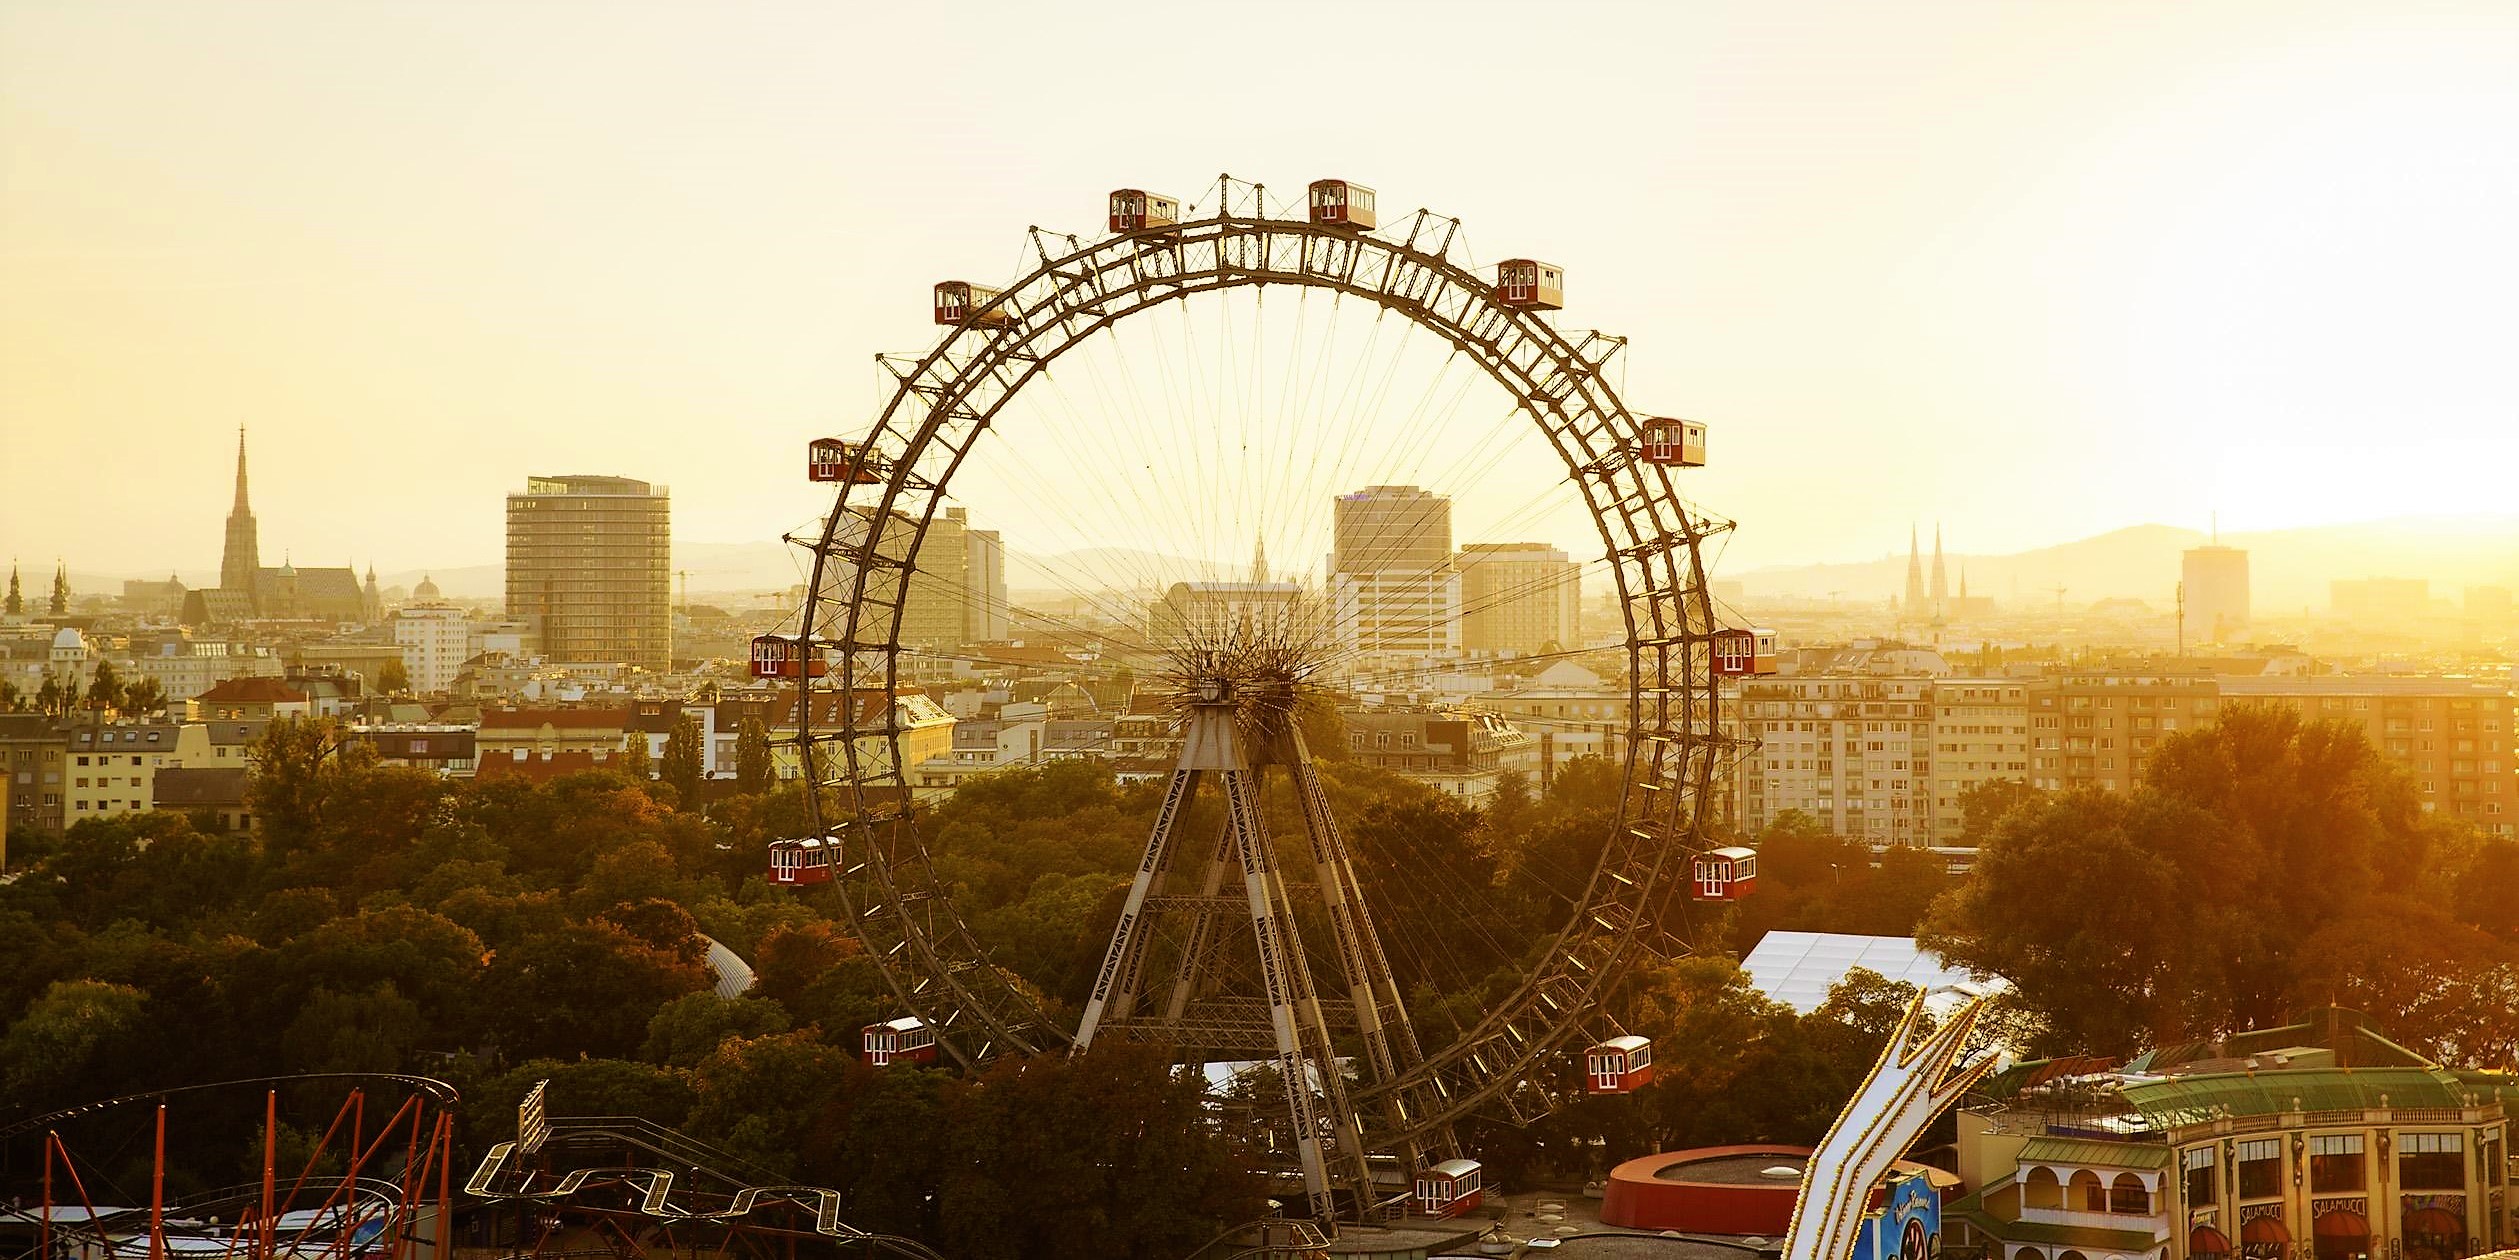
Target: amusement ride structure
x=1208 y=957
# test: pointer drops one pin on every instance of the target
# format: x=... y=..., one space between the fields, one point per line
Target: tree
x=1985 y=804
x=752 y=756
x=2081 y=902
x=687 y=1030
x=143 y=695
x=374 y=1031
x=12 y=700
x=104 y=688
x=50 y=1046
x=1100 y=1154
x=587 y=988
x=295 y=764
x=685 y=761
x=2244 y=882
x=634 y=759
x=393 y=678
x=56 y=698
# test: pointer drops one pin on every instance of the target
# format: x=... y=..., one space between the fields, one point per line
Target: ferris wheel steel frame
x=947 y=399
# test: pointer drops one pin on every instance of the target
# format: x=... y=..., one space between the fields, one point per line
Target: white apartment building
x=184 y=668
x=435 y=642
x=1980 y=734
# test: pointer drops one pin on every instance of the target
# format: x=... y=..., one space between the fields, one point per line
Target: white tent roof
x=1798 y=968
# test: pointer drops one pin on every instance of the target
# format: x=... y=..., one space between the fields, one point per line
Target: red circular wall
x=1640 y=1195
x=1726 y=1197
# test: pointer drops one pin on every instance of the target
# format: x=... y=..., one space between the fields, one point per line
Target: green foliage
x=1812 y=880
x=67 y=1030
x=687 y=1030
x=585 y=988
x=1985 y=805
x=634 y=761
x=2268 y=866
x=686 y=760
x=752 y=756
x=104 y=688
x=143 y=695
x=373 y=1031
x=393 y=679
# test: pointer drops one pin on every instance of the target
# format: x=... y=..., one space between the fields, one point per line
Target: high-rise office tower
x=1393 y=590
x=1390 y=527
x=2215 y=583
x=1521 y=598
x=591 y=560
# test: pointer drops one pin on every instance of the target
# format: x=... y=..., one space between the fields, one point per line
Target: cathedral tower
x=241 y=563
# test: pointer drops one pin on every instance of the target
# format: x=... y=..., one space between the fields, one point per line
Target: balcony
x=2155 y=1225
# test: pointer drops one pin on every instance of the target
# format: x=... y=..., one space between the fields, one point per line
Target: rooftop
x=1798 y=968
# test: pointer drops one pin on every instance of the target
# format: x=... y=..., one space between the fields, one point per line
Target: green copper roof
x=2121 y=1240
x=2092 y=1151
x=2191 y=1099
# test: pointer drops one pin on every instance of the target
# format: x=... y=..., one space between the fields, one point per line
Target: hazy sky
x=2035 y=270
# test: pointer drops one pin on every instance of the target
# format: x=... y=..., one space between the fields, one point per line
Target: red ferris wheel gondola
x=807 y=860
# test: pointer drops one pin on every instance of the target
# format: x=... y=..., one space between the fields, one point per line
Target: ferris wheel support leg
x=1304 y=1052
x=1392 y=1048
x=1115 y=986
x=1202 y=944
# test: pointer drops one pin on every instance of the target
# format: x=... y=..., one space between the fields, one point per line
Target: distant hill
x=2289 y=569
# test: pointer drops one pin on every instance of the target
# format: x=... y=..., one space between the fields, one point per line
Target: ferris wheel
x=1139 y=383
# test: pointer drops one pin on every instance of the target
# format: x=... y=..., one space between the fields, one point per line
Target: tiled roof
x=539 y=769
x=588 y=719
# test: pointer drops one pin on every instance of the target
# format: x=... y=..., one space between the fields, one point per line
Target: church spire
x=240 y=563
x=1259 y=557
x=17 y=602
x=1914 y=607
x=242 y=507
x=1941 y=581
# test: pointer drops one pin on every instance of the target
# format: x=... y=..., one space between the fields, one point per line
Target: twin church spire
x=1927 y=603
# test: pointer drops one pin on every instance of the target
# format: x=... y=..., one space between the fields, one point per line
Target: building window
x=2432 y=1161
x=2201 y=1186
x=2128 y=1196
x=2335 y=1164
x=2261 y=1169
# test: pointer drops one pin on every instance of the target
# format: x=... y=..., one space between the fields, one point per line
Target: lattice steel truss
x=946 y=400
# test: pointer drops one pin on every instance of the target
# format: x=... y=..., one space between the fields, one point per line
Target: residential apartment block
x=2454 y=736
x=1854 y=753
x=1980 y=735
x=1887 y=758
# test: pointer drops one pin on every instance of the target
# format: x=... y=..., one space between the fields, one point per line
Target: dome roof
x=68 y=637
x=427 y=589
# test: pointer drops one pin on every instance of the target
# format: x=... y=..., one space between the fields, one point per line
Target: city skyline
x=2200 y=252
